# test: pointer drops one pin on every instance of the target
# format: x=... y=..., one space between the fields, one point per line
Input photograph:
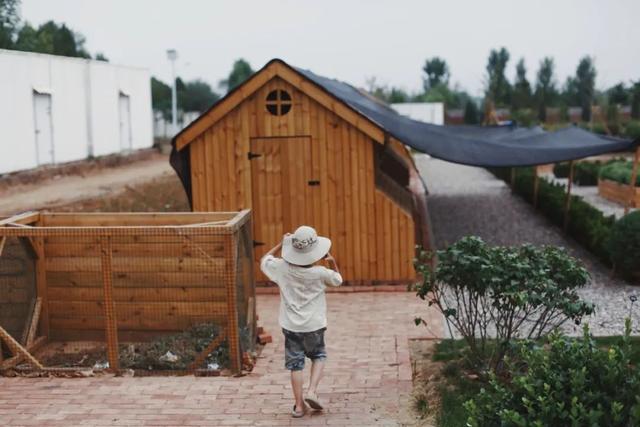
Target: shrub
x=503 y=292
x=569 y=382
x=561 y=170
x=624 y=244
x=632 y=129
x=586 y=173
x=619 y=171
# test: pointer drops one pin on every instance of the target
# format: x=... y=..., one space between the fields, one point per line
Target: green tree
x=546 y=92
x=9 y=19
x=635 y=100
x=619 y=94
x=161 y=97
x=198 y=96
x=471 y=113
x=240 y=72
x=521 y=88
x=436 y=73
x=498 y=87
x=51 y=38
x=585 y=84
x=101 y=57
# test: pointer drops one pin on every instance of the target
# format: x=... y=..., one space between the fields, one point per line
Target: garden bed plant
x=511 y=365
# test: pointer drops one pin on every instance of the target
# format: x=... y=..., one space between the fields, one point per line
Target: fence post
x=111 y=325
x=536 y=186
x=230 y=274
x=632 y=182
x=567 y=201
x=513 y=179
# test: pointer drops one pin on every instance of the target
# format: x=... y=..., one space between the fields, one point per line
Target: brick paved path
x=367 y=379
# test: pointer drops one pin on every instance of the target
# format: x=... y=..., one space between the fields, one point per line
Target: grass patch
x=457 y=387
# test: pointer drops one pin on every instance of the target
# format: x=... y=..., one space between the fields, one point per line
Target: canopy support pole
x=567 y=201
x=632 y=182
x=513 y=179
x=536 y=186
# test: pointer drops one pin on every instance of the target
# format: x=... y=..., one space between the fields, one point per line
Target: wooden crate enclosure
x=283 y=147
x=618 y=192
x=130 y=277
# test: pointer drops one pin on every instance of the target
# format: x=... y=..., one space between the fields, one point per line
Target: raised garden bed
x=618 y=192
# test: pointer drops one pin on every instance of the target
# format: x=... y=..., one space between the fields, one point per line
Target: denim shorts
x=298 y=345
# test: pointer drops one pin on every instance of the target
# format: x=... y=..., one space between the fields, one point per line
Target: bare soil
x=424 y=401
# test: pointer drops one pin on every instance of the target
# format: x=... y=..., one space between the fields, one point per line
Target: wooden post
x=111 y=326
x=233 y=332
x=567 y=201
x=513 y=179
x=18 y=351
x=536 y=186
x=632 y=182
x=41 y=285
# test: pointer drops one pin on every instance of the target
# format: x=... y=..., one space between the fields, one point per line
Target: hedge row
x=619 y=171
x=587 y=225
x=587 y=173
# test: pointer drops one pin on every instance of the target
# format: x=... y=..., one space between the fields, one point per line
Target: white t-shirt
x=303 y=307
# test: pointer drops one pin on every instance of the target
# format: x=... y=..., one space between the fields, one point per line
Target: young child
x=303 y=307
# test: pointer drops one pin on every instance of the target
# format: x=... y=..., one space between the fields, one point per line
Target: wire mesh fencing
x=149 y=292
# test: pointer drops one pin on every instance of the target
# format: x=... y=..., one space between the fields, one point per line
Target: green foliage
x=589 y=226
x=51 y=38
x=624 y=244
x=436 y=73
x=521 y=291
x=498 y=87
x=521 y=98
x=197 y=96
x=585 y=84
x=632 y=129
x=9 y=19
x=618 y=94
x=619 y=171
x=471 y=113
x=635 y=100
x=524 y=117
x=561 y=170
x=240 y=72
x=546 y=92
x=568 y=382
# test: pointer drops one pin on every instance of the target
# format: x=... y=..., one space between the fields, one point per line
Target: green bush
x=586 y=173
x=568 y=382
x=632 y=129
x=561 y=170
x=619 y=171
x=624 y=244
x=587 y=225
x=516 y=292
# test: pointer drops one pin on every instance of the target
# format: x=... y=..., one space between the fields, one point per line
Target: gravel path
x=466 y=200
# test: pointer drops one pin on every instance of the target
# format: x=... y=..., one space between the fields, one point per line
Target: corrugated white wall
x=84 y=111
x=428 y=112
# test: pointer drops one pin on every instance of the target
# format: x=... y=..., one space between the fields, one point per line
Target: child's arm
x=269 y=264
x=334 y=278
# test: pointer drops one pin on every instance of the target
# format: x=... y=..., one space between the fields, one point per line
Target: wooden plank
x=136 y=264
x=147 y=279
x=27 y=323
x=60 y=325
x=137 y=295
x=141 y=250
x=197 y=235
x=41 y=285
x=33 y=325
x=630 y=200
x=348 y=263
x=132 y=219
x=235 y=355
x=166 y=310
x=18 y=350
x=202 y=356
x=356 y=219
x=111 y=325
x=3 y=242
x=567 y=200
x=23 y=218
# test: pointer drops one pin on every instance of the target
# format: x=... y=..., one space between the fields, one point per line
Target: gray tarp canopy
x=476 y=145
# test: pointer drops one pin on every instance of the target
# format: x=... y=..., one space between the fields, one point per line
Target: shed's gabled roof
x=472 y=145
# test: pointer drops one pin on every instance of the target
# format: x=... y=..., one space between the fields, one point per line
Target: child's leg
x=297 y=381
x=317 y=368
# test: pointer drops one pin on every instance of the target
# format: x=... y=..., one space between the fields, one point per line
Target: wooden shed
x=295 y=153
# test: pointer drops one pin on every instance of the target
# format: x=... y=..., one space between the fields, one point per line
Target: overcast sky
x=353 y=40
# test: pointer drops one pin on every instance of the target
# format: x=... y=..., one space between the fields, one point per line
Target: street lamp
x=172 y=54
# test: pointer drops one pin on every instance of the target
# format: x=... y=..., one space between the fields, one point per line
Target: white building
x=55 y=109
x=428 y=112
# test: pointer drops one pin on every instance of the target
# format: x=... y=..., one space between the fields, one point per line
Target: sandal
x=297 y=414
x=314 y=402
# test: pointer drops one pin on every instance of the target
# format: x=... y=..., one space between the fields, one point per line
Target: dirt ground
x=91 y=183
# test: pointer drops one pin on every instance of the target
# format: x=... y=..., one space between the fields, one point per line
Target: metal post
x=632 y=182
x=172 y=54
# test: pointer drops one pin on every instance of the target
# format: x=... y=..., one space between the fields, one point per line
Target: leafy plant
x=506 y=293
x=568 y=382
x=619 y=171
x=624 y=244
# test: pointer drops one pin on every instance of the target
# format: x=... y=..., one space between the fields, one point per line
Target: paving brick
x=367 y=375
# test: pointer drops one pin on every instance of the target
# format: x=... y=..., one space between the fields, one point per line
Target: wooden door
x=283 y=189
x=43 y=128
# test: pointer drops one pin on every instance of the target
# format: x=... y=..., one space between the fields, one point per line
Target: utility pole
x=172 y=54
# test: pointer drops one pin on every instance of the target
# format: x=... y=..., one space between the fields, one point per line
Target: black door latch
x=314 y=182
x=251 y=155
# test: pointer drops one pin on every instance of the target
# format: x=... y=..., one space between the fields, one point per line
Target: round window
x=278 y=102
